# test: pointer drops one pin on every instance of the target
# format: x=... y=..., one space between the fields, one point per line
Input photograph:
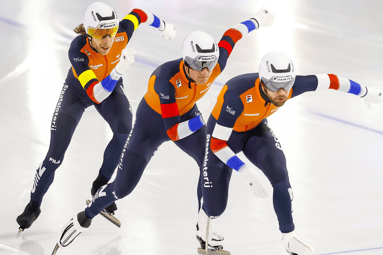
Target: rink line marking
x=11 y=22
x=348 y=123
x=342 y=252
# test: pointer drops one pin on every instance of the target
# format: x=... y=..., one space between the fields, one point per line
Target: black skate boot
x=30 y=214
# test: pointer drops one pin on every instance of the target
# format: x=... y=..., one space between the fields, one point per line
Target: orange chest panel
x=186 y=96
x=100 y=64
x=254 y=111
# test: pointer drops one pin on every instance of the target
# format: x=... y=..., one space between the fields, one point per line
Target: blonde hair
x=80 y=29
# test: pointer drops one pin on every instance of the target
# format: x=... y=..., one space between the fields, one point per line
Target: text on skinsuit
x=277 y=143
x=120 y=165
x=58 y=106
x=206 y=182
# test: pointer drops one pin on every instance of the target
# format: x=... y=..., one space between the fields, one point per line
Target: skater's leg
x=136 y=153
x=265 y=151
x=116 y=110
x=65 y=119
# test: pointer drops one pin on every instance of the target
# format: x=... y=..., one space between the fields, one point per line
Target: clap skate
x=294 y=246
x=108 y=215
x=205 y=232
x=26 y=219
x=218 y=249
x=71 y=230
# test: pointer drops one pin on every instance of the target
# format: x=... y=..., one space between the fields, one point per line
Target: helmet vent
x=280 y=70
x=205 y=51
x=100 y=18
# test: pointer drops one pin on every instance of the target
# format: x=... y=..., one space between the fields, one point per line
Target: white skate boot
x=295 y=247
x=215 y=240
x=72 y=229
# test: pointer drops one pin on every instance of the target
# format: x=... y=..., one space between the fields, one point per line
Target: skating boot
x=26 y=219
x=72 y=229
x=215 y=240
x=294 y=246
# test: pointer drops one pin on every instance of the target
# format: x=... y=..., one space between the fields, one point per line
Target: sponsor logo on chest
x=119 y=39
x=79 y=59
x=163 y=96
x=95 y=66
x=184 y=97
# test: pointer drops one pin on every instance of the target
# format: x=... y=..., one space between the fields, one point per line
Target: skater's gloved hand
x=127 y=58
x=256 y=181
x=264 y=17
x=373 y=96
x=168 y=32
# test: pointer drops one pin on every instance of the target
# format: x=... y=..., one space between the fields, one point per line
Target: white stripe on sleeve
x=242 y=28
x=344 y=84
x=183 y=130
x=225 y=154
x=323 y=81
x=222 y=133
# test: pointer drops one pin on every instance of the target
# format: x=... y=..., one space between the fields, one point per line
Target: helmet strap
x=263 y=91
x=187 y=72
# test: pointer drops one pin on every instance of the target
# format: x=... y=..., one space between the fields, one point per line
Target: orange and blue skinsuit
x=88 y=69
x=167 y=112
x=238 y=123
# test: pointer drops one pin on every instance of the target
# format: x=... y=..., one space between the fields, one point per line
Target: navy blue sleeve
x=303 y=84
x=232 y=108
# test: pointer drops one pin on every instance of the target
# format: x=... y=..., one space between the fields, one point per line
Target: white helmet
x=276 y=71
x=200 y=50
x=99 y=20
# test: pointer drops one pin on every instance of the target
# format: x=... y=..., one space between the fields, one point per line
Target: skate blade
x=108 y=216
x=55 y=249
x=19 y=233
x=220 y=252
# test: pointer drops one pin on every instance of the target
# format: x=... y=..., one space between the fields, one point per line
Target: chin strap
x=263 y=94
x=188 y=76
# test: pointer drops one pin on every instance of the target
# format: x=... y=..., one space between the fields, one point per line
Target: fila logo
x=163 y=96
x=87 y=52
x=179 y=84
x=249 y=98
x=230 y=110
x=56 y=162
